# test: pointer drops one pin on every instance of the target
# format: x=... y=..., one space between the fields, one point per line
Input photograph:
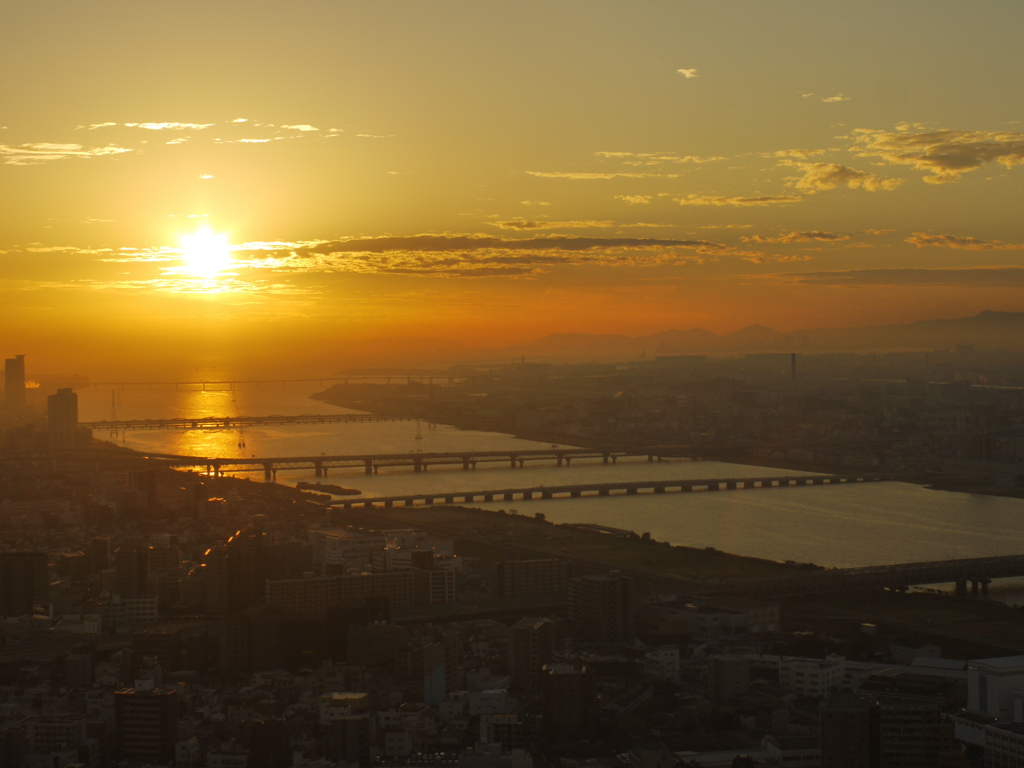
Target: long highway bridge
x=238 y=422
x=420 y=462
x=230 y=384
x=979 y=571
x=624 y=487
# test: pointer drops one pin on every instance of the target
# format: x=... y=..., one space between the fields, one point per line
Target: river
x=843 y=526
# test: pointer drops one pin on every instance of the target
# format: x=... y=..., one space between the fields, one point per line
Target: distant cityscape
x=156 y=616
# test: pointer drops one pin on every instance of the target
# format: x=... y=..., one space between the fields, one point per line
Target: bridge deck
x=234 y=422
x=604 y=489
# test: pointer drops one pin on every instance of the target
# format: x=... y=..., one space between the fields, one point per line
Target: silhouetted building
x=603 y=608
x=14 y=384
x=131 y=569
x=62 y=419
x=24 y=581
x=531 y=645
x=12 y=747
x=532 y=578
x=849 y=732
x=146 y=723
x=235 y=572
x=350 y=739
x=270 y=743
x=571 y=708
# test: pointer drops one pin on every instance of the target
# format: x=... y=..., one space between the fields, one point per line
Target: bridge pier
x=559 y=460
x=659 y=489
x=488 y=497
x=961 y=588
x=417 y=465
x=449 y=499
x=575 y=494
x=606 y=458
x=318 y=468
x=650 y=458
x=368 y=464
x=465 y=463
x=513 y=460
x=632 y=490
x=604 y=492
x=545 y=494
x=268 y=473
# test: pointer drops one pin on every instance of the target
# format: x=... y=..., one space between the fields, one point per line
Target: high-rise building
x=14 y=383
x=131 y=569
x=849 y=732
x=24 y=581
x=146 y=723
x=532 y=578
x=603 y=608
x=571 y=707
x=62 y=419
x=351 y=739
x=236 y=572
x=270 y=744
x=531 y=645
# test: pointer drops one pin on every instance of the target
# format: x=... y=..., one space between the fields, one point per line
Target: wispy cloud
x=156 y=126
x=922 y=240
x=577 y=175
x=303 y=128
x=688 y=73
x=822 y=176
x=798 y=237
x=656 y=158
x=970 y=277
x=524 y=224
x=761 y=258
x=740 y=201
x=800 y=153
x=837 y=97
x=634 y=199
x=32 y=154
x=945 y=155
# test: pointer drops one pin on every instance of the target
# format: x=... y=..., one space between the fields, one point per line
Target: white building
x=662 y=663
x=991 y=683
x=812 y=677
x=1004 y=745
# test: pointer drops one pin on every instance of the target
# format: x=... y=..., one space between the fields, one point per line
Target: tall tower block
x=14 y=383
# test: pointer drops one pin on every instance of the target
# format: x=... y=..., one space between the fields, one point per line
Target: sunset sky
x=485 y=173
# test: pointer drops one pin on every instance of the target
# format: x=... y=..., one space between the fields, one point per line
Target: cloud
x=303 y=128
x=945 y=155
x=523 y=224
x=740 y=201
x=656 y=158
x=635 y=199
x=688 y=73
x=837 y=97
x=32 y=154
x=471 y=255
x=820 y=176
x=727 y=226
x=801 y=153
x=760 y=258
x=156 y=126
x=921 y=240
x=573 y=175
x=798 y=237
x=534 y=202
x=971 y=277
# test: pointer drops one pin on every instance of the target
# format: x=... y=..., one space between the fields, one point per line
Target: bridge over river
x=419 y=461
x=238 y=422
x=624 y=487
x=979 y=571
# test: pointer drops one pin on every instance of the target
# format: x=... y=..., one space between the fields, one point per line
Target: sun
x=206 y=253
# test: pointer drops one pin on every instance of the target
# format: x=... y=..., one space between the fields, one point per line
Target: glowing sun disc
x=206 y=254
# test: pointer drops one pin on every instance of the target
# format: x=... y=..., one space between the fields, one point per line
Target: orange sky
x=484 y=174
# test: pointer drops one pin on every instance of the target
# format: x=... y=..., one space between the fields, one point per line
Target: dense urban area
x=159 y=617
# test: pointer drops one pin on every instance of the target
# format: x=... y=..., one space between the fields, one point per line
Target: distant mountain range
x=986 y=331
x=1002 y=331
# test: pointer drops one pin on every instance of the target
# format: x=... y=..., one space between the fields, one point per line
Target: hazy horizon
x=243 y=185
